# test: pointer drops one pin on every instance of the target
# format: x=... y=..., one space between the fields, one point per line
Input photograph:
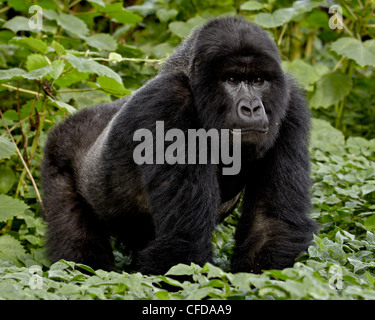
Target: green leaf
x=330 y=89
x=323 y=129
x=252 y=6
x=99 y=2
x=114 y=57
x=10 y=249
x=7 y=179
x=302 y=6
x=275 y=19
x=86 y=268
x=102 y=41
x=183 y=29
x=38 y=73
x=71 y=77
x=129 y=51
x=354 y=49
x=184 y=269
x=84 y=65
x=60 y=50
x=57 y=67
x=72 y=24
x=370 y=223
x=305 y=73
x=9 y=74
x=112 y=86
x=162 y=50
x=10 y=207
x=7 y=148
x=62 y=105
x=35 y=61
x=116 y=11
x=35 y=44
x=165 y=15
x=368 y=188
x=18 y=23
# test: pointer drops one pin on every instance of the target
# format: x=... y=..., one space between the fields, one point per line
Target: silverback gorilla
x=226 y=75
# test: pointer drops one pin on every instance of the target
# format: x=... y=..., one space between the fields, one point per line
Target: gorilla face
x=245 y=93
x=238 y=82
x=250 y=102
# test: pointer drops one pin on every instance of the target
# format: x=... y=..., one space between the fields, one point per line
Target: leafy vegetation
x=97 y=50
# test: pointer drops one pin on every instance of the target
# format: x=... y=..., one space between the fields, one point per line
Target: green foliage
x=95 y=51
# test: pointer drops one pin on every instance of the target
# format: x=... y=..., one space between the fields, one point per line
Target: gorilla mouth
x=249 y=130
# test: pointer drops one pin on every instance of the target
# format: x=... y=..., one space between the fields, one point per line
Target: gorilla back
x=226 y=75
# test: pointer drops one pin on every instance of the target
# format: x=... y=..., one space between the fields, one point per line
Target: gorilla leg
x=73 y=232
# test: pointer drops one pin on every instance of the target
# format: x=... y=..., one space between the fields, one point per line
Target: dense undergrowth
x=94 y=51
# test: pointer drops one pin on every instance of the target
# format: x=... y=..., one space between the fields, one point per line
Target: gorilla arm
x=184 y=201
x=274 y=227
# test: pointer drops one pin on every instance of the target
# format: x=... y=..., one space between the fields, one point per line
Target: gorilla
x=225 y=76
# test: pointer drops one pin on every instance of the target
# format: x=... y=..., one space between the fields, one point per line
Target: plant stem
x=20 y=89
x=22 y=160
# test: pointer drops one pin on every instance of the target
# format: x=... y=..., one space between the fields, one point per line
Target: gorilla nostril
x=246 y=111
x=256 y=109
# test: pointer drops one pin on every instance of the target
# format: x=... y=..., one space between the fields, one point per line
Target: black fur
x=166 y=213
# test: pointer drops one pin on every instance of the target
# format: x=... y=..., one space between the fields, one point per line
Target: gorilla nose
x=248 y=111
x=253 y=115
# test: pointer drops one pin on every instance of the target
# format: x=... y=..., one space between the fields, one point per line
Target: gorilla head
x=236 y=78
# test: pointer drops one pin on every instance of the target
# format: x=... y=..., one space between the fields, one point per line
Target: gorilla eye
x=232 y=79
x=259 y=80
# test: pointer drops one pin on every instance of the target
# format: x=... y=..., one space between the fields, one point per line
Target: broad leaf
x=112 y=86
x=361 y=52
x=183 y=29
x=275 y=19
x=57 y=67
x=117 y=12
x=7 y=179
x=10 y=249
x=165 y=15
x=330 y=89
x=85 y=65
x=370 y=223
x=305 y=73
x=18 y=23
x=14 y=73
x=72 y=24
x=60 y=50
x=38 y=73
x=10 y=207
x=62 y=105
x=323 y=129
x=35 y=61
x=102 y=41
x=7 y=148
x=252 y=6
x=35 y=44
